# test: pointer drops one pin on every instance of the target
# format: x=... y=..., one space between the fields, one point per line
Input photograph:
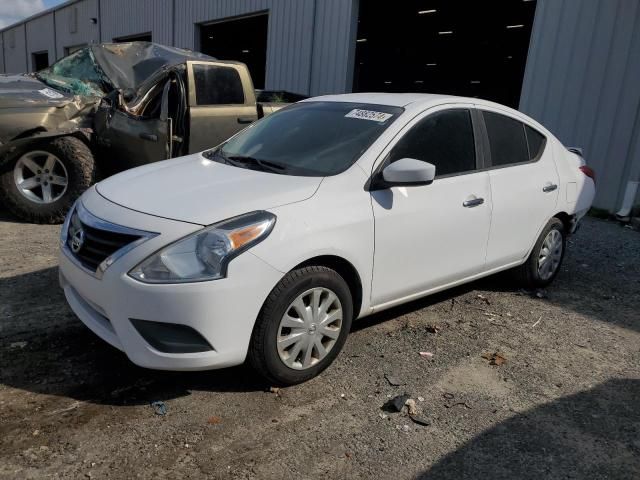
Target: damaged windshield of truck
x=78 y=74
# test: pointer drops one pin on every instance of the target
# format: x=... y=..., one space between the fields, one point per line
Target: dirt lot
x=566 y=404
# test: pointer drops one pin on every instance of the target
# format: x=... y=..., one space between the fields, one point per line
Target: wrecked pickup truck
x=109 y=107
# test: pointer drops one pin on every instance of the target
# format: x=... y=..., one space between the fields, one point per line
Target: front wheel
x=545 y=259
x=302 y=326
x=40 y=183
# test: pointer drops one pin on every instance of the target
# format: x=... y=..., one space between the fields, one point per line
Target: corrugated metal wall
x=582 y=81
x=40 y=38
x=310 y=43
x=15 y=53
x=74 y=26
x=121 y=18
x=302 y=55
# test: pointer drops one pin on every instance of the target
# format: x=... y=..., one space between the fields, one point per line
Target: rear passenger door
x=524 y=186
x=221 y=102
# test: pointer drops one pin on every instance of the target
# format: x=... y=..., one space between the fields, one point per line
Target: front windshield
x=77 y=74
x=309 y=138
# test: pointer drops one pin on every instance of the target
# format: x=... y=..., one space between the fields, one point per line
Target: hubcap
x=550 y=255
x=40 y=177
x=309 y=328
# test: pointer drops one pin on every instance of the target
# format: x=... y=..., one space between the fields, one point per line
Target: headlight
x=205 y=254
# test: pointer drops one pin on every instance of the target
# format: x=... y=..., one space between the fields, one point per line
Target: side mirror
x=408 y=172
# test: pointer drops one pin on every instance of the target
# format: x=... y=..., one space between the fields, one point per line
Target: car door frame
x=548 y=145
x=244 y=114
x=381 y=161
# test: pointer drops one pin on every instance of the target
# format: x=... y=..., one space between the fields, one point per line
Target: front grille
x=97 y=244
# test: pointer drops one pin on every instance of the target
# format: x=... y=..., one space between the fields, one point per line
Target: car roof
x=404 y=99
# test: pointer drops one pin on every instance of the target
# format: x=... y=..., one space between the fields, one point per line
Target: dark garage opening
x=474 y=49
x=40 y=60
x=242 y=39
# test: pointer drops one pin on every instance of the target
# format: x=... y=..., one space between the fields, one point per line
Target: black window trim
x=477 y=138
x=487 y=148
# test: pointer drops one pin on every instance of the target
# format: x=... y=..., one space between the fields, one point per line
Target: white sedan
x=268 y=246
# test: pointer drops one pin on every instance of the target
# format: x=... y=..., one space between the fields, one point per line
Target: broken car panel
x=110 y=107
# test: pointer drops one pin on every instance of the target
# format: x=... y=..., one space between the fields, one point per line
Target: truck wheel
x=302 y=326
x=40 y=183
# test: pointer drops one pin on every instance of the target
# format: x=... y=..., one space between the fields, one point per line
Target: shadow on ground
x=592 y=434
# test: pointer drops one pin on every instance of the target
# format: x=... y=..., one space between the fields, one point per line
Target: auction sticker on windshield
x=372 y=115
x=47 y=92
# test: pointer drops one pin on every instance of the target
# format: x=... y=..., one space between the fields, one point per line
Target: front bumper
x=222 y=311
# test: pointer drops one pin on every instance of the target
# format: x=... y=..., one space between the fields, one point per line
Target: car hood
x=24 y=91
x=197 y=190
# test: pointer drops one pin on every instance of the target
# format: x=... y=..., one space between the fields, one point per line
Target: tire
x=77 y=163
x=529 y=274
x=264 y=353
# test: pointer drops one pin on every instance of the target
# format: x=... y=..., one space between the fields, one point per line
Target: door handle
x=245 y=120
x=152 y=137
x=473 y=202
x=549 y=187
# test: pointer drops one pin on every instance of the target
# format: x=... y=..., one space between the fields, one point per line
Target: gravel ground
x=566 y=404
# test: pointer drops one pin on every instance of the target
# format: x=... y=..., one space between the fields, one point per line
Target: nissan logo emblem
x=77 y=240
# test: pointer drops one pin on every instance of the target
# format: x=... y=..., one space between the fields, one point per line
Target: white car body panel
x=403 y=242
x=206 y=186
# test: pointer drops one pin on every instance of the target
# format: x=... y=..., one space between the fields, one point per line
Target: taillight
x=588 y=171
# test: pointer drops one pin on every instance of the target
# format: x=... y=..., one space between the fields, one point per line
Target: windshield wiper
x=264 y=164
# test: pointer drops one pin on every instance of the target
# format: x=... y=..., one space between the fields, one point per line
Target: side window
x=217 y=85
x=507 y=140
x=444 y=139
x=536 y=142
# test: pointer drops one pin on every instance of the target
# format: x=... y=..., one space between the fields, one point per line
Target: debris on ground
x=420 y=420
x=393 y=380
x=159 y=407
x=464 y=404
x=483 y=299
x=73 y=406
x=274 y=390
x=214 y=420
x=432 y=328
x=421 y=399
x=541 y=293
x=495 y=358
x=403 y=428
x=426 y=354
x=396 y=404
x=537 y=322
x=16 y=345
x=412 y=409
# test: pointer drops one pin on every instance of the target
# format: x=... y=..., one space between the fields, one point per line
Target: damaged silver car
x=109 y=107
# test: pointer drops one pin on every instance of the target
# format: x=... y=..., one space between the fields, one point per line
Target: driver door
x=427 y=237
x=133 y=140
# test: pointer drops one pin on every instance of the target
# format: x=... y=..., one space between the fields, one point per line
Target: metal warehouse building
x=574 y=65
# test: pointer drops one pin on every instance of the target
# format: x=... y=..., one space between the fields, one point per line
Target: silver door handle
x=550 y=187
x=473 y=202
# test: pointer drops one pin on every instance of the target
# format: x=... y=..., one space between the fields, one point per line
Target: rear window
x=507 y=139
x=217 y=85
x=536 y=142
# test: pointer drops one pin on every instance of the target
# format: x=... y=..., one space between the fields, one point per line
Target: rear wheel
x=40 y=183
x=302 y=326
x=545 y=259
